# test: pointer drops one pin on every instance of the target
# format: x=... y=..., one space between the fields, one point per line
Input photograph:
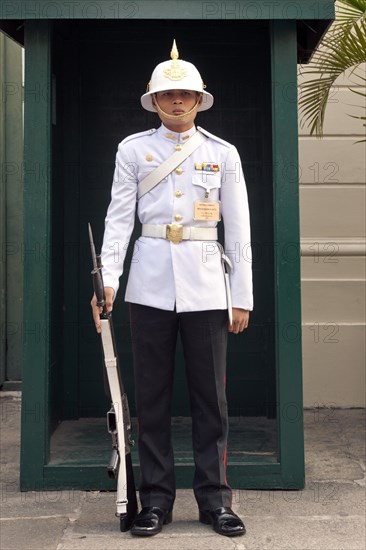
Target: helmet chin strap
x=175 y=117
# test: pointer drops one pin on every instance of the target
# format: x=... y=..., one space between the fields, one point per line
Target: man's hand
x=109 y=295
x=240 y=320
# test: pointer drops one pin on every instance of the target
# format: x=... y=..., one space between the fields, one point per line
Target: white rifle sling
x=115 y=389
x=166 y=167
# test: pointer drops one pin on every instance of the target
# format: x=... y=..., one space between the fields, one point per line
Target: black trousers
x=204 y=338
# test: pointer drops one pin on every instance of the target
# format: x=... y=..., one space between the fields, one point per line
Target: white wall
x=332 y=209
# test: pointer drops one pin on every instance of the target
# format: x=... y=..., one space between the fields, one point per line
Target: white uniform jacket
x=187 y=275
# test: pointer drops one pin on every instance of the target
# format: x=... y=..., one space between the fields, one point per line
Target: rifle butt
x=127 y=519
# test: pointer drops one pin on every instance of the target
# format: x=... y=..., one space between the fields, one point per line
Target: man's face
x=175 y=103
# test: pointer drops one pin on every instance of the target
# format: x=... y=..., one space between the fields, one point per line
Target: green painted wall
x=11 y=231
x=162 y=9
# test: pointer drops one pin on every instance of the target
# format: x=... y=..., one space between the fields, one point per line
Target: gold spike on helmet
x=176 y=74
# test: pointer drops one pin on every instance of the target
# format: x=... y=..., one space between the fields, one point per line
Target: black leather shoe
x=223 y=521
x=150 y=521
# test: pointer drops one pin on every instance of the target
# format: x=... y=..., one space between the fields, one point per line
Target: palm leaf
x=362 y=94
x=343 y=48
x=350 y=9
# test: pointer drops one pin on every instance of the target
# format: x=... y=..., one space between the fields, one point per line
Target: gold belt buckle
x=174 y=232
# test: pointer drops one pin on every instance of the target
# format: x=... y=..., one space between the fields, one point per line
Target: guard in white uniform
x=178 y=282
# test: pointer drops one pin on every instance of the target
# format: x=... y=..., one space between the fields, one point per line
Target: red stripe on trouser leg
x=225 y=453
x=226 y=483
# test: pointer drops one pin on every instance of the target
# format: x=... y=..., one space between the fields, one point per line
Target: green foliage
x=342 y=48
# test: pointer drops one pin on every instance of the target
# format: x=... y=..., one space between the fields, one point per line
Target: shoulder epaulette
x=212 y=136
x=139 y=134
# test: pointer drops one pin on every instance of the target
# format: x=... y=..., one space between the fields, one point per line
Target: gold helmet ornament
x=176 y=74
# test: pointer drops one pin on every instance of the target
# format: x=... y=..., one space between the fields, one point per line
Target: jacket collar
x=175 y=137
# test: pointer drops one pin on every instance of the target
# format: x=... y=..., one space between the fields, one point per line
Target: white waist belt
x=176 y=232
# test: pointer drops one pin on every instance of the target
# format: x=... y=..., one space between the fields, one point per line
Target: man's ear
x=200 y=99
x=153 y=101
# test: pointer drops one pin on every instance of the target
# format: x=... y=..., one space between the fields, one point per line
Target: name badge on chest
x=207 y=211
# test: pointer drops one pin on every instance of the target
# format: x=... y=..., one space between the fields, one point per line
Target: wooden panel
x=287 y=267
x=2 y=218
x=161 y=9
x=334 y=355
x=334 y=301
x=330 y=212
x=332 y=160
x=11 y=154
x=37 y=267
x=328 y=266
x=343 y=105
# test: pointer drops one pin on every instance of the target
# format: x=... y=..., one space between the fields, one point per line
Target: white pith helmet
x=176 y=74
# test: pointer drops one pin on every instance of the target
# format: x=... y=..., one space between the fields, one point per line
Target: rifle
x=118 y=418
